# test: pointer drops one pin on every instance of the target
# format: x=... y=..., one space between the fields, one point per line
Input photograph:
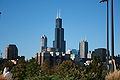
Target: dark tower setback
x=59 y=43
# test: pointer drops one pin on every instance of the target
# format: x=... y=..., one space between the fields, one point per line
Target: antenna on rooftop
x=58 y=13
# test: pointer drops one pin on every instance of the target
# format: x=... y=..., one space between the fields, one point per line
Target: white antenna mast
x=58 y=13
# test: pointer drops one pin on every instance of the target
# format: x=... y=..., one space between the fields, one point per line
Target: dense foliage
x=25 y=70
x=19 y=70
x=96 y=70
x=6 y=63
x=67 y=70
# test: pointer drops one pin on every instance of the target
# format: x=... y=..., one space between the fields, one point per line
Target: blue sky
x=23 y=22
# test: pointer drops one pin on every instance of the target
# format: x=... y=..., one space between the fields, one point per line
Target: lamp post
x=112 y=30
x=107 y=29
x=112 y=34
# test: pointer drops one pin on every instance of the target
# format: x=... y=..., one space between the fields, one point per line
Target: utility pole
x=107 y=29
x=112 y=30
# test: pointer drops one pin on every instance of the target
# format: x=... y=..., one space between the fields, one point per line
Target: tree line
x=67 y=70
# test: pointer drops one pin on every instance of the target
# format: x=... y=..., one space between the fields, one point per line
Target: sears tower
x=59 y=43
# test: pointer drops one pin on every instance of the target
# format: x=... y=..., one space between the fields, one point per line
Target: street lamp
x=107 y=28
x=112 y=30
x=112 y=33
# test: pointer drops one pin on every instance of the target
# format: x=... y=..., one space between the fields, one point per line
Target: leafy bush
x=52 y=77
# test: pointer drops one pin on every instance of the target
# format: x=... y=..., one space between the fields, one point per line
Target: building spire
x=58 y=14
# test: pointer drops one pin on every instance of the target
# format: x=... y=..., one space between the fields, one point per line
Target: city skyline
x=25 y=22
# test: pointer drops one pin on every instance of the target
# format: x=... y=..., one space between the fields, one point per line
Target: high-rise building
x=11 y=52
x=83 y=49
x=59 y=44
x=101 y=52
x=43 y=42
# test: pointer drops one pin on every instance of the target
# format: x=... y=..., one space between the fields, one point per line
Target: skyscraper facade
x=101 y=52
x=43 y=45
x=59 y=44
x=11 y=52
x=83 y=49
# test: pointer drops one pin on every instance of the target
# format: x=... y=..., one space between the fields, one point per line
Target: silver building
x=43 y=43
x=83 y=49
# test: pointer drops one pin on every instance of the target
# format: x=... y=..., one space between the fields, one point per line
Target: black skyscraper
x=59 y=43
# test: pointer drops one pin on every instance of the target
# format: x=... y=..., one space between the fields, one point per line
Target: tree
x=96 y=70
x=45 y=68
x=6 y=63
x=19 y=70
x=32 y=68
x=68 y=69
